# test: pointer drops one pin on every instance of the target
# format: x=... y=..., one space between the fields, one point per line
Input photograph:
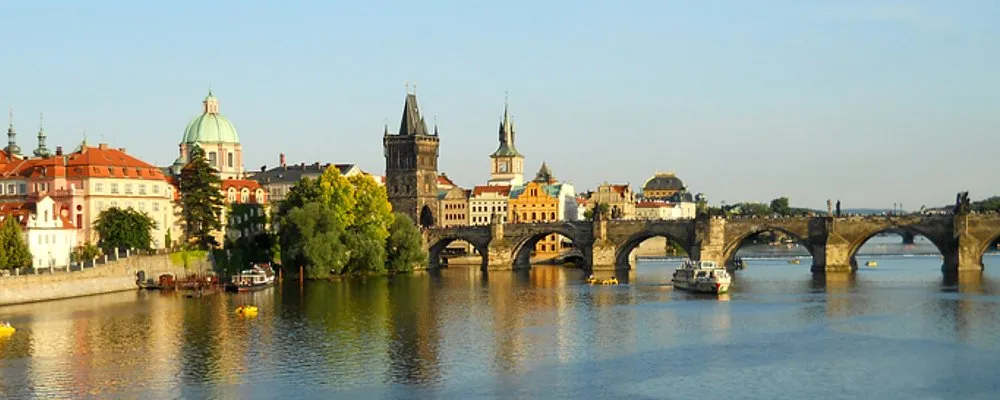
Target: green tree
x=369 y=228
x=201 y=200
x=404 y=247
x=780 y=206
x=312 y=237
x=14 y=252
x=85 y=252
x=124 y=228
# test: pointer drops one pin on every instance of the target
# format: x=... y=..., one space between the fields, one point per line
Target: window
x=212 y=159
x=230 y=156
x=156 y=206
x=128 y=188
x=100 y=206
x=142 y=189
x=245 y=196
x=114 y=188
x=231 y=195
x=156 y=189
x=98 y=187
x=22 y=188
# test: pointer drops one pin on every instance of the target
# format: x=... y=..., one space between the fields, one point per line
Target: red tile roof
x=238 y=185
x=443 y=180
x=89 y=162
x=502 y=190
x=654 y=204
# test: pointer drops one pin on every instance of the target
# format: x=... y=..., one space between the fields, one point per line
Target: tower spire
x=12 y=148
x=41 y=151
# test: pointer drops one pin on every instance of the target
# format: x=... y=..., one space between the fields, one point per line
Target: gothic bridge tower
x=411 y=166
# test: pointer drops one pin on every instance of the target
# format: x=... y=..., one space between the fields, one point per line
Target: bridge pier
x=833 y=257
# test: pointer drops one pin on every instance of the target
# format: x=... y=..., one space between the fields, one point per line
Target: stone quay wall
x=113 y=276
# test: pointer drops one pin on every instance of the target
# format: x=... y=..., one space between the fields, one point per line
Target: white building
x=652 y=210
x=50 y=236
x=488 y=202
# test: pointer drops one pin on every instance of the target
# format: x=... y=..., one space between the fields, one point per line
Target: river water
x=897 y=331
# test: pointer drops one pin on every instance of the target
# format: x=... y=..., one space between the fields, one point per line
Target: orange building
x=534 y=202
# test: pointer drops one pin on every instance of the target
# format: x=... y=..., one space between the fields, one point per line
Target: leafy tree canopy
x=124 y=228
x=404 y=247
x=14 y=253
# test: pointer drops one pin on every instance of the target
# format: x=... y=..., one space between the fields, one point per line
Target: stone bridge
x=833 y=242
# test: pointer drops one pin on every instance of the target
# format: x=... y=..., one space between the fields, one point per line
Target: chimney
x=102 y=146
x=263 y=168
x=281 y=159
x=58 y=150
x=122 y=149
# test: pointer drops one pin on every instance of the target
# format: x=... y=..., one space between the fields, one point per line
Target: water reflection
x=498 y=334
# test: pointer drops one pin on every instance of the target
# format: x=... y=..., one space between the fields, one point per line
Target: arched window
x=260 y=196
x=231 y=196
x=553 y=216
x=533 y=216
x=245 y=196
x=525 y=216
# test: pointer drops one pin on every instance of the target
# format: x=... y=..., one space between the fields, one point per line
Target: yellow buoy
x=7 y=330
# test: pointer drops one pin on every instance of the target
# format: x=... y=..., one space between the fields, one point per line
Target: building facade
x=619 y=198
x=506 y=163
x=654 y=210
x=487 y=203
x=50 y=235
x=411 y=165
x=88 y=181
x=245 y=213
x=217 y=137
x=454 y=207
x=662 y=185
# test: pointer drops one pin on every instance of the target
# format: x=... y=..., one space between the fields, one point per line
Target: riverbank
x=115 y=276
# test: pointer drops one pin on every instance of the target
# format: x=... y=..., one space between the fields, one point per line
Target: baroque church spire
x=506 y=133
x=41 y=151
x=12 y=148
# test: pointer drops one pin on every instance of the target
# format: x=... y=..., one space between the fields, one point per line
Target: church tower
x=507 y=165
x=12 y=148
x=411 y=157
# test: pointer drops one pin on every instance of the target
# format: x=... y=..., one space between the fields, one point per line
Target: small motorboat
x=246 y=311
x=871 y=263
x=612 y=281
x=6 y=329
x=259 y=277
x=591 y=280
x=795 y=261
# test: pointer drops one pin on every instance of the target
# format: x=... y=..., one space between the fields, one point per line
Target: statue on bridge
x=829 y=207
x=838 y=208
x=962 y=204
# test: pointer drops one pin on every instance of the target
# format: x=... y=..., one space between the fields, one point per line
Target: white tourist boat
x=259 y=277
x=702 y=277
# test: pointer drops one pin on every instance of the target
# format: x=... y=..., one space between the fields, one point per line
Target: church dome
x=210 y=126
x=663 y=181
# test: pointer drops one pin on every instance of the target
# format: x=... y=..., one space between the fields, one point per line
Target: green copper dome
x=210 y=126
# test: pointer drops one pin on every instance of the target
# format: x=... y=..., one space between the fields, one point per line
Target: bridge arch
x=438 y=244
x=940 y=243
x=525 y=243
x=985 y=246
x=623 y=252
x=734 y=244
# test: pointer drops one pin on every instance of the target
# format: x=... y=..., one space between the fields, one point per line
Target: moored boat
x=702 y=277
x=871 y=263
x=259 y=277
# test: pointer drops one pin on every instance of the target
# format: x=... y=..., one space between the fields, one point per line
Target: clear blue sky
x=865 y=101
